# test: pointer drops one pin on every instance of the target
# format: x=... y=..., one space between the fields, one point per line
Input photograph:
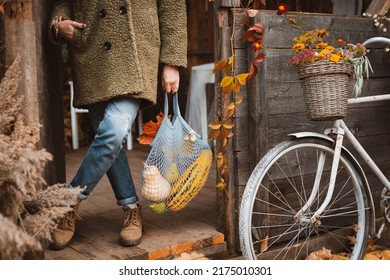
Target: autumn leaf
x=242 y=78
x=236 y=86
x=150 y=130
x=213 y=133
x=264 y=245
x=239 y=100
x=253 y=70
x=226 y=81
x=220 y=65
x=259 y=58
x=228 y=124
x=2 y=10
x=215 y=125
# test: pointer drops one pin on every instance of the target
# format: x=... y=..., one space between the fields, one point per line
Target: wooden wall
x=273 y=103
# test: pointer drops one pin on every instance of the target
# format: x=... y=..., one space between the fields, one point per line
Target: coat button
x=102 y=13
x=107 y=46
x=122 y=10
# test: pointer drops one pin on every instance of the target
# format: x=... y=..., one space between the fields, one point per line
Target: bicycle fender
x=357 y=165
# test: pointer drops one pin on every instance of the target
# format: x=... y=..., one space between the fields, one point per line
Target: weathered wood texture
x=278 y=107
x=273 y=103
x=25 y=32
x=378 y=7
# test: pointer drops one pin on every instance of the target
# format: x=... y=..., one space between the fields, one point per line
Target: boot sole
x=129 y=243
x=58 y=248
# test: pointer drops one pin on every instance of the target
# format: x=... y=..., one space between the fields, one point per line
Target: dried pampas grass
x=29 y=210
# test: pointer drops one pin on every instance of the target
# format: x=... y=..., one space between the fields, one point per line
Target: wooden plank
x=352 y=29
x=378 y=7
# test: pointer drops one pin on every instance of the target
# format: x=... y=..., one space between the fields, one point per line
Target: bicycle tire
x=278 y=187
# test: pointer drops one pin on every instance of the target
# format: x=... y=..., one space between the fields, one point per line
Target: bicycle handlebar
x=374 y=40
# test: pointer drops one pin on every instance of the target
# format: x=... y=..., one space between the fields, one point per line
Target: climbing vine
x=221 y=129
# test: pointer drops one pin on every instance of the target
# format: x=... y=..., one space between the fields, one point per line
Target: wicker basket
x=326 y=89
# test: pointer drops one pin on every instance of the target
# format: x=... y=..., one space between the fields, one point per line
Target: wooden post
x=227 y=199
x=25 y=28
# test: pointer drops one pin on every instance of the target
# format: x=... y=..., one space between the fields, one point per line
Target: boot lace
x=131 y=217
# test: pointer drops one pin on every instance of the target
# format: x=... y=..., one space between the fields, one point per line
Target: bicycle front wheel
x=279 y=202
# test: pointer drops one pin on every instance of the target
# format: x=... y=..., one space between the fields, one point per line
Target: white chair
x=74 y=124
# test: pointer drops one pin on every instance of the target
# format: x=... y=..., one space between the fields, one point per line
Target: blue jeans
x=111 y=122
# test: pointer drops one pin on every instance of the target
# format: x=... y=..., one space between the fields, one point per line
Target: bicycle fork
x=314 y=219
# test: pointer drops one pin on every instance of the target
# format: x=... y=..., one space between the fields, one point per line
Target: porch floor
x=186 y=234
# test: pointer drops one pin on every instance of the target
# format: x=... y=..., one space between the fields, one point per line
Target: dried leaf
x=220 y=65
x=228 y=124
x=253 y=70
x=2 y=10
x=371 y=256
x=259 y=58
x=386 y=255
x=340 y=256
x=322 y=254
x=264 y=245
x=213 y=133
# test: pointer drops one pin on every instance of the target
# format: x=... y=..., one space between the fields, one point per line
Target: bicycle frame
x=341 y=130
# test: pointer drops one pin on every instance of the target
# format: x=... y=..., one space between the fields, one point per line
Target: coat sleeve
x=61 y=9
x=173 y=31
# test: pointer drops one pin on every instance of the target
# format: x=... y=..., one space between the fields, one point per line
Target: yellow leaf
x=230 y=113
x=231 y=106
x=236 y=86
x=228 y=89
x=220 y=65
x=242 y=78
x=239 y=100
x=226 y=81
x=220 y=162
x=232 y=61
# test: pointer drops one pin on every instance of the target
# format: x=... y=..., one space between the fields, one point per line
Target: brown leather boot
x=131 y=232
x=64 y=232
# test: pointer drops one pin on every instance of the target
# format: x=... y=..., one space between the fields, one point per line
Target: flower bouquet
x=325 y=70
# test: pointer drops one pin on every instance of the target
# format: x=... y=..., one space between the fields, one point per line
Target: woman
x=115 y=50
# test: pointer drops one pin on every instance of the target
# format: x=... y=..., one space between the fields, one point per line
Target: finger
x=78 y=25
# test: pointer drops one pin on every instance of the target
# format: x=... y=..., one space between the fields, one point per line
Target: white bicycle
x=309 y=192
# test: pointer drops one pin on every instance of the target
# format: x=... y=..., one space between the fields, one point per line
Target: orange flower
x=334 y=58
x=257 y=45
x=322 y=32
x=282 y=9
x=321 y=45
x=298 y=47
x=340 y=42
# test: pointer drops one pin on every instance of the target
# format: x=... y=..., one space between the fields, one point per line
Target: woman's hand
x=66 y=28
x=170 y=78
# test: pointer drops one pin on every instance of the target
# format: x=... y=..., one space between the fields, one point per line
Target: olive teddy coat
x=119 y=51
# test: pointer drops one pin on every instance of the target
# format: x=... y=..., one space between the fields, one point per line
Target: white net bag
x=178 y=163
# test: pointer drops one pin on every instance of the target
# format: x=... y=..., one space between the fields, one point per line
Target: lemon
x=157 y=207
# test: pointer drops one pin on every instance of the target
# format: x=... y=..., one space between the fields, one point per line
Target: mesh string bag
x=177 y=165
